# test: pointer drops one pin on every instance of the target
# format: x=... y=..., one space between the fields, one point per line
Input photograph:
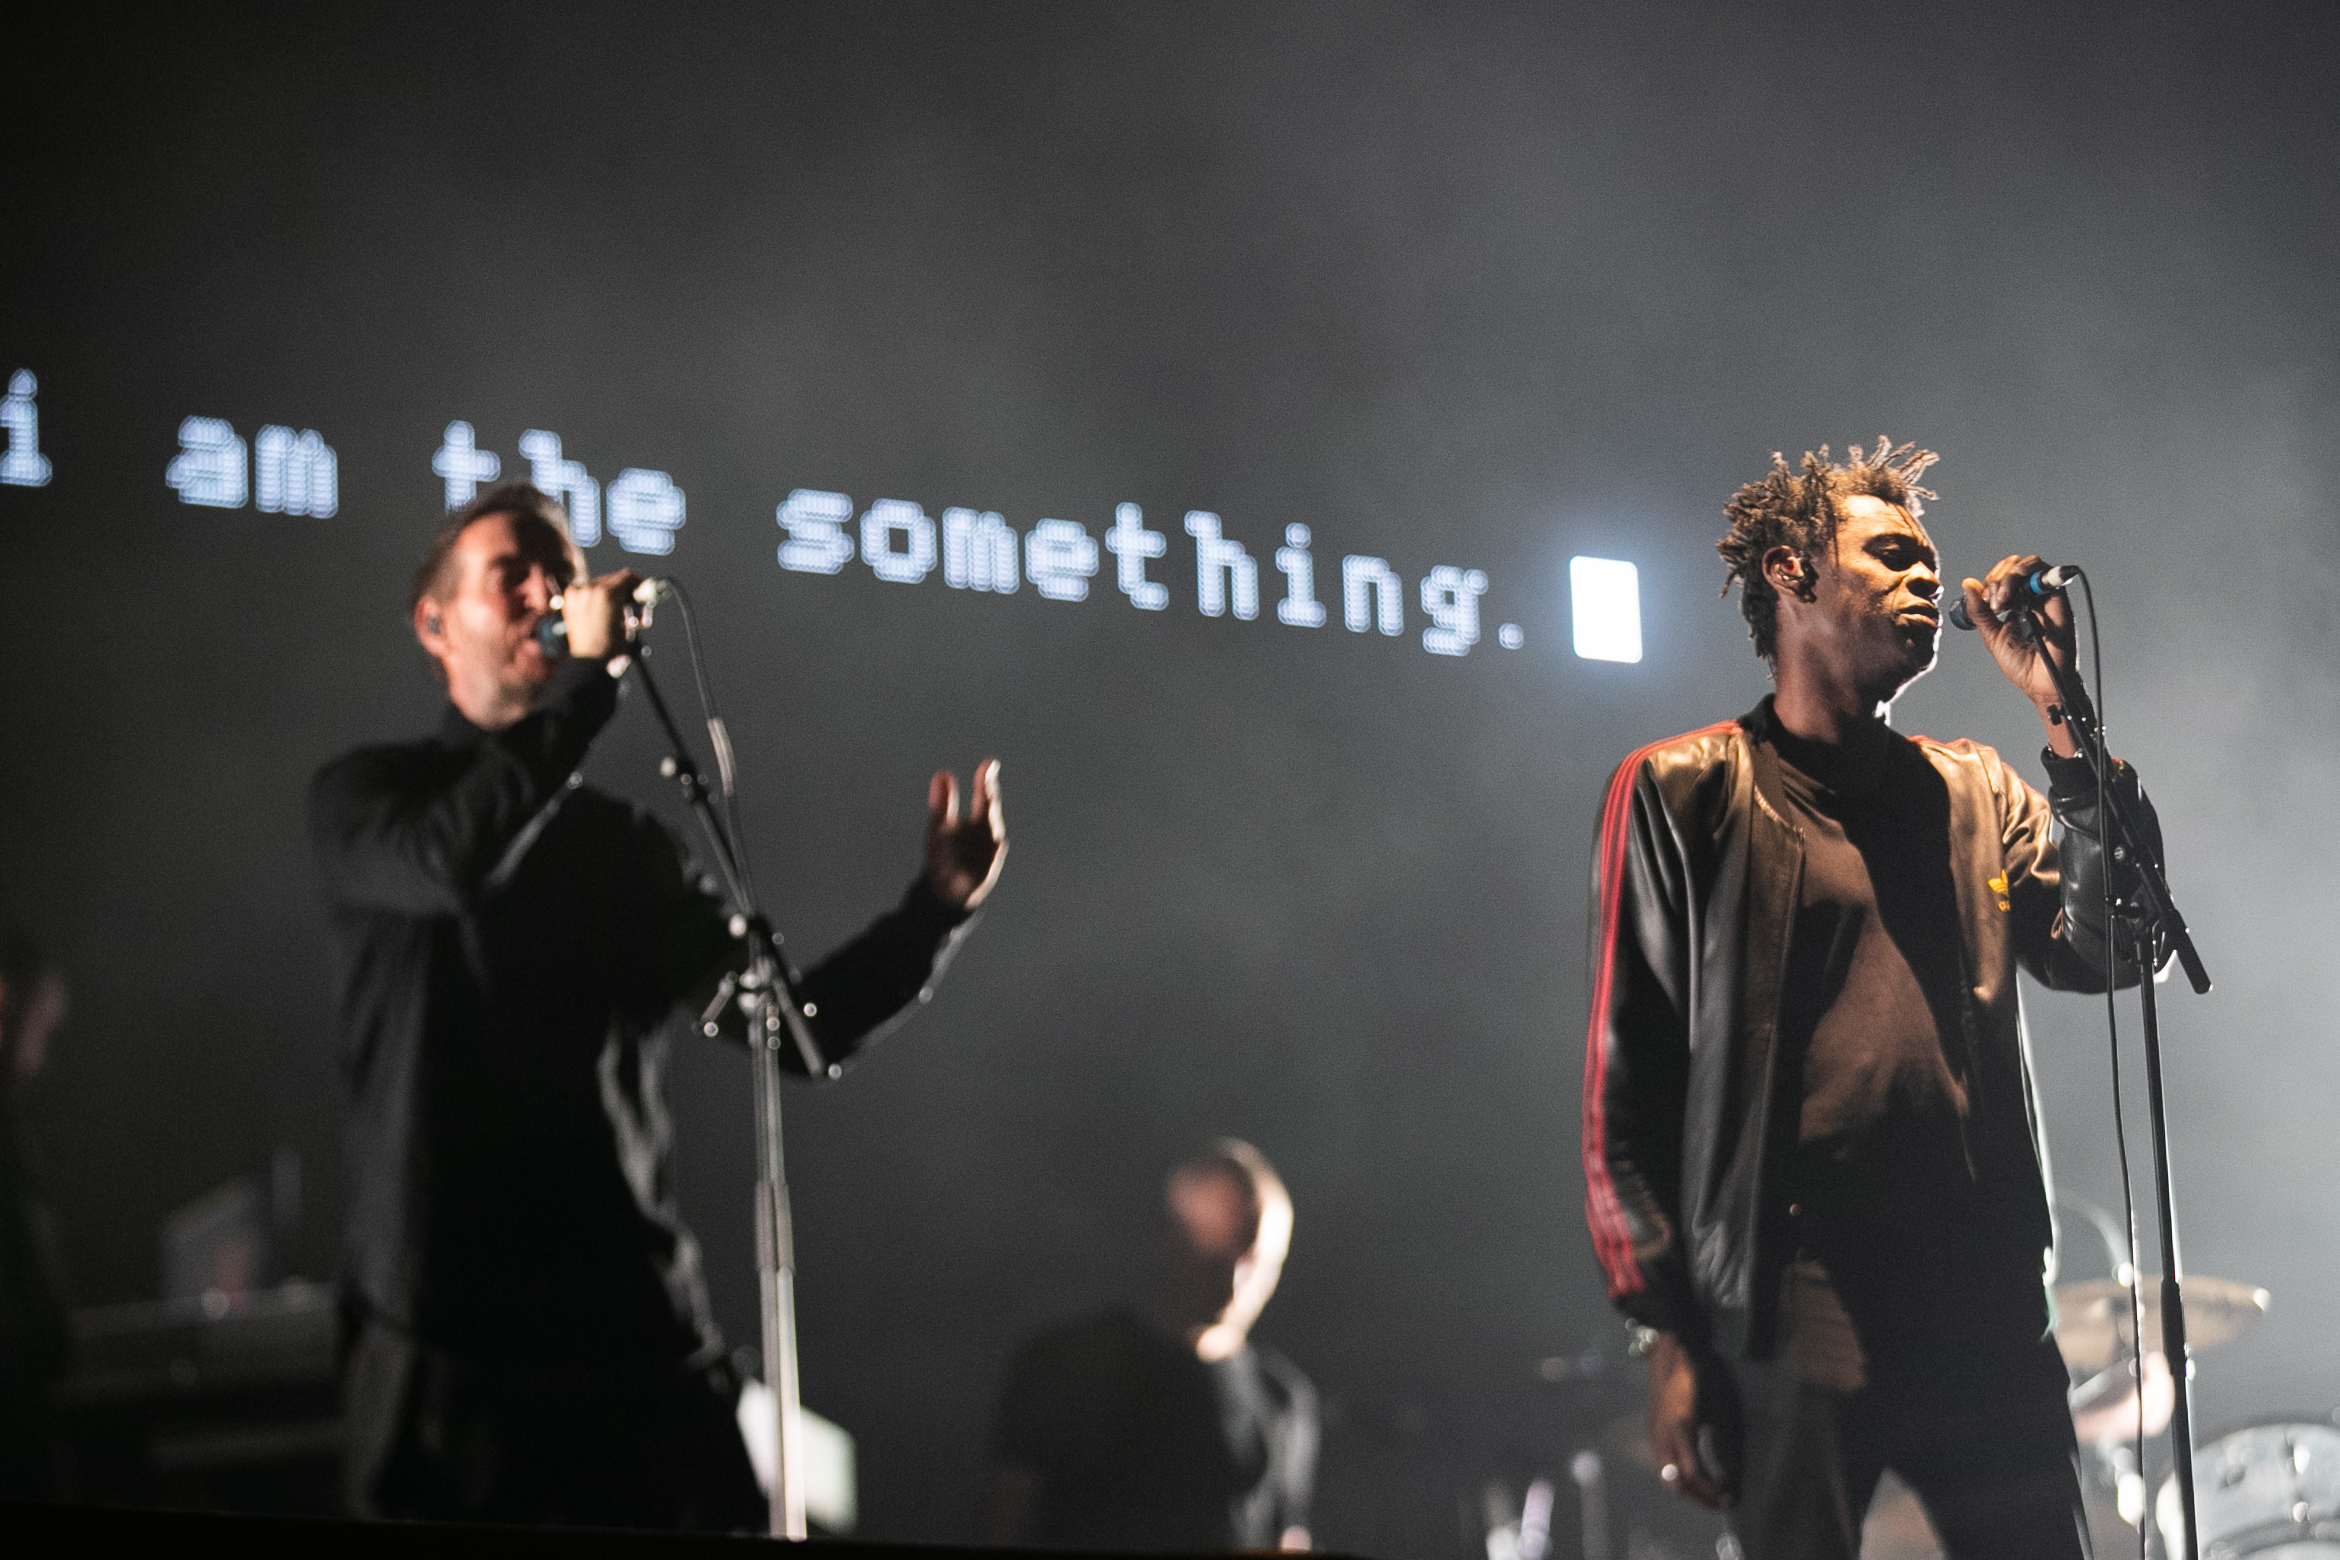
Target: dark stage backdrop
x=1477 y=288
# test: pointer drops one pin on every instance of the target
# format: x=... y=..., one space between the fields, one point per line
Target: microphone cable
x=2112 y=1025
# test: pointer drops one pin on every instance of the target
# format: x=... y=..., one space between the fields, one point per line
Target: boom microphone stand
x=776 y=1013
x=2150 y=922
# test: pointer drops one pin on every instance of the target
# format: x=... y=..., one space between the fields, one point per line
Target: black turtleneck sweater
x=512 y=948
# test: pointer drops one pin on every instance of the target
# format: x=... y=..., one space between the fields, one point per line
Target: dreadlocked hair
x=1795 y=506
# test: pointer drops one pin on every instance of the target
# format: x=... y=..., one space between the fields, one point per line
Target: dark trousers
x=1984 y=1439
x=437 y=1436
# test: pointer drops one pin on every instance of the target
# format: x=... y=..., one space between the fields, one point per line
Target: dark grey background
x=1483 y=285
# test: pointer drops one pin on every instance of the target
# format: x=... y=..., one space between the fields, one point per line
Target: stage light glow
x=1604 y=608
x=831 y=1489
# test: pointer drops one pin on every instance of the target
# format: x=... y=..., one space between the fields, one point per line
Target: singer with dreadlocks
x=1813 y=1177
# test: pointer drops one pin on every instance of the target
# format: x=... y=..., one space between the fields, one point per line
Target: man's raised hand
x=963 y=854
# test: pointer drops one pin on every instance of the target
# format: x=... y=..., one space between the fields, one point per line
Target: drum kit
x=2268 y=1491
x=2265 y=1491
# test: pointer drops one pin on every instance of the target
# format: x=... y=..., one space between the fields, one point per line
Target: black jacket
x=514 y=948
x=1690 y=1124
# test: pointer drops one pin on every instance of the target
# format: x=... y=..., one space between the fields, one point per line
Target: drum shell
x=2270 y=1491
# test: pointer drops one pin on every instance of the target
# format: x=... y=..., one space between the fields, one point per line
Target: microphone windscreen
x=1958 y=613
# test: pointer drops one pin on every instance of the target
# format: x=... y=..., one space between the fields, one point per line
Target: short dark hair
x=1796 y=507
x=529 y=508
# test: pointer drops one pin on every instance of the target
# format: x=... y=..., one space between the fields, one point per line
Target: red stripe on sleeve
x=1604 y=1212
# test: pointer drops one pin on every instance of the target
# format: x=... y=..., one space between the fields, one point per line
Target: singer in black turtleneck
x=529 y=1335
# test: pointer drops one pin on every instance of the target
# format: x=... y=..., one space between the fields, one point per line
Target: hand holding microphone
x=2035 y=586
x=594 y=619
x=1989 y=607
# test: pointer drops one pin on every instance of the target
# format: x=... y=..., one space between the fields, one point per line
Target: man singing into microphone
x=529 y=1337
x=1812 y=1175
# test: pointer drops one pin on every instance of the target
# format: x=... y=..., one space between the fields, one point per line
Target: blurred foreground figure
x=1808 y=1124
x=35 y=1339
x=1161 y=1425
x=529 y=1332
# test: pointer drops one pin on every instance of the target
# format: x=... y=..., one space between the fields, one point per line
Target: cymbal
x=2092 y=1317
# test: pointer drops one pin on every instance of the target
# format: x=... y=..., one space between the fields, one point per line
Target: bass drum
x=2271 y=1492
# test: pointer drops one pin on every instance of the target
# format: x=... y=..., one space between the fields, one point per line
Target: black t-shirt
x=1139 y=1445
x=1890 y=1209
x=1872 y=995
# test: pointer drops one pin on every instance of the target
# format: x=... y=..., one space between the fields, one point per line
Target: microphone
x=552 y=631
x=2030 y=590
